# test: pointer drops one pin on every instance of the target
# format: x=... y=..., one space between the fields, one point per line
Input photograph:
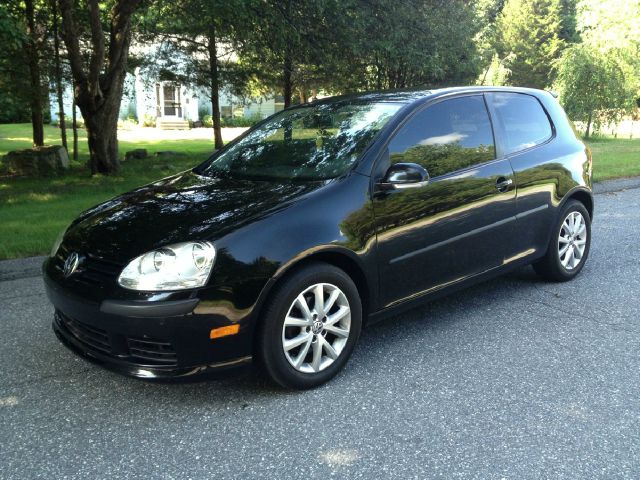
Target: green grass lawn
x=615 y=158
x=33 y=211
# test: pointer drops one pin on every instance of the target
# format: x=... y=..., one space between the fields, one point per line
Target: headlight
x=175 y=267
x=58 y=241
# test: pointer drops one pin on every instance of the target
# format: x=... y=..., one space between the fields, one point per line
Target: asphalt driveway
x=514 y=378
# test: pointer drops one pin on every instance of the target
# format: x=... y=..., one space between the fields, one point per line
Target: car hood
x=180 y=208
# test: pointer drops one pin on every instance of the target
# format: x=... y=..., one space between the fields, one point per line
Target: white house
x=169 y=104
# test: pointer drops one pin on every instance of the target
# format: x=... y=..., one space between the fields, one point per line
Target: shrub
x=68 y=121
x=149 y=120
x=203 y=111
x=241 y=121
x=127 y=124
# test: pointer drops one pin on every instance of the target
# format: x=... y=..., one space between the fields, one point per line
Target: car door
x=461 y=222
x=526 y=132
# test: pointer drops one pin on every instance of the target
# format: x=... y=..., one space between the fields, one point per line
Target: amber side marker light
x=224 y=331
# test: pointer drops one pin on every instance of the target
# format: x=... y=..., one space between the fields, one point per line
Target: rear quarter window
x=524 y=122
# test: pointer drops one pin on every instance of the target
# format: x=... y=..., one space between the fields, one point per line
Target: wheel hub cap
x=317 y=327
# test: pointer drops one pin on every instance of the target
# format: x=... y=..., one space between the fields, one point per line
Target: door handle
x=503 y=184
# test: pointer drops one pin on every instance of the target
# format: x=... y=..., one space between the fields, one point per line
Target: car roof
x=419 y=95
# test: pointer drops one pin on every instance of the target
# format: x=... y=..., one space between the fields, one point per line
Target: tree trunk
x=98 y=89
x=31 y=52
x=287 y=67
x=286 y=79
x=287 y=93
x=215 y=89
x=102 y=128
x=74 y=121
x=58 y=73
x=587 y=133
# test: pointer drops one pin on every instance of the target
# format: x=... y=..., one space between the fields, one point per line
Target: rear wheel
x=569 y=246
x=310 y=327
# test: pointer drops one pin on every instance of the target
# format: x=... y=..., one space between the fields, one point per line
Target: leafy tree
x=23 y=30
x=592 y=86
x=531 y=30
x=35 y=80
x=487 y=13
x=292 y=44
x=568 y=21
x=413 y=43
x=13 y=92
x=613 y=28
x=57 y=71
x=99 y=81
x=497 y=74
x=205 y=40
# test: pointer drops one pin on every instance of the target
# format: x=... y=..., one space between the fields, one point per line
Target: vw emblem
x=71 y=264
x=317 y=327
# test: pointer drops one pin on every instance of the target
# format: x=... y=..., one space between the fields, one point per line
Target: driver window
x=448 y=136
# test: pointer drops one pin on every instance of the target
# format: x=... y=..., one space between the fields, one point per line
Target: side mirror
x=404 y=175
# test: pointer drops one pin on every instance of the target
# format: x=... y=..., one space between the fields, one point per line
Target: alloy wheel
x=572 y=240
x=316 y=328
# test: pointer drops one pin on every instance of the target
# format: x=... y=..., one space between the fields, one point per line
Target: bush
x=203 y=111
x=241 y=121
x=149 y=120
x=127 y=124
x=207 y=121
x=68 y=122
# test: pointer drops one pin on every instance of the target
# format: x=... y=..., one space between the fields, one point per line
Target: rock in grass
x=38 y=161
x=168 y=155
x=137 y=154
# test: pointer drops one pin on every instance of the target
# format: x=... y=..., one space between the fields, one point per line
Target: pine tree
x=531 y=30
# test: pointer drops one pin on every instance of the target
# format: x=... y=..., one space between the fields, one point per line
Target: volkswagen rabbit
x=324 y=217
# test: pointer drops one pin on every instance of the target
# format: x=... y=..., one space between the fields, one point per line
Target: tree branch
x=70 y=37
x=120 y=33
x=97 y=54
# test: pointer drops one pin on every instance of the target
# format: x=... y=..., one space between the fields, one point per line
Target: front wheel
x=569 y=246
x=310 y=327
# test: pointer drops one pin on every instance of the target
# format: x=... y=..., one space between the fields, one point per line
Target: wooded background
x=587 y=50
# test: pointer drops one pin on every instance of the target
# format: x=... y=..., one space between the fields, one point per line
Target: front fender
x=335 y=221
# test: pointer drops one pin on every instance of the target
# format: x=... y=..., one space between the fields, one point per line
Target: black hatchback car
x=323 y=217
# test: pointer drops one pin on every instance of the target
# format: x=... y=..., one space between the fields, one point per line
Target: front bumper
x=147 y=339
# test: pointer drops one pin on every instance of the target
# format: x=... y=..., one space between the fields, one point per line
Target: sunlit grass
x=34 y=210
x=615 y=158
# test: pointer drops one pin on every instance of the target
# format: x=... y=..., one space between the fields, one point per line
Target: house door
x=170 y=100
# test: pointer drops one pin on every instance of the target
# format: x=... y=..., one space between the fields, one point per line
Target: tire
x=561 y=268
x=275 y=353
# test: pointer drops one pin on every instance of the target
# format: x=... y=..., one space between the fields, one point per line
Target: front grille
x=98 y=270
x=151 y=350
x=92 y=269
x=95 y=338
x=138 y=351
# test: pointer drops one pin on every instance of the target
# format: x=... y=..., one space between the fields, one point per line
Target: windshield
x=315 y=142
